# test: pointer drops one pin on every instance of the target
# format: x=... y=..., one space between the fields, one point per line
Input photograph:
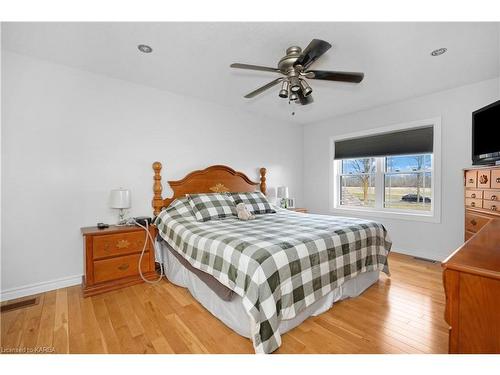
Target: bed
x=265 y=276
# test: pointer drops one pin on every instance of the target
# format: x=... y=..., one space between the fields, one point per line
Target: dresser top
x=92 y=231
x=480 y=167
x=481 y=254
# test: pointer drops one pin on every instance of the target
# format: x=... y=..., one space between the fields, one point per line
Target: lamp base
x=121 y=218
x=284 y=203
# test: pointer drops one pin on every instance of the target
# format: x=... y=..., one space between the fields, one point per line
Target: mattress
x=234 y=315
x=279 y=264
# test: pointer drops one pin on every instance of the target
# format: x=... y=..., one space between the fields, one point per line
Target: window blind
x=402 y=142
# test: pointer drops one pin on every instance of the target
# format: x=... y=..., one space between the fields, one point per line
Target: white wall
x=71 y=136
x=429 y=240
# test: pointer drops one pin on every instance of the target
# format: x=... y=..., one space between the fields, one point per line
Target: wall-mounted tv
x=486 y=134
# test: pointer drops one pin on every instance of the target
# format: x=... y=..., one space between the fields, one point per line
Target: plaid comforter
x=278 y=263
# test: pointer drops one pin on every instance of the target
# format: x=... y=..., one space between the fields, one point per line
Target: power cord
x=148 y=237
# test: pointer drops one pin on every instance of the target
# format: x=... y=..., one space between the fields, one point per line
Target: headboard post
x=263 y=186
x=157 y=189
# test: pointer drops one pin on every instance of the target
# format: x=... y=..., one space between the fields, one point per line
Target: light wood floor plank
x=76 y=334
x=47 y=320
x=399 y=314
x=61 y=339
x=32 y=325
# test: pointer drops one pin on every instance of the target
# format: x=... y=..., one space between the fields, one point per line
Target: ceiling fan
x=295 y=68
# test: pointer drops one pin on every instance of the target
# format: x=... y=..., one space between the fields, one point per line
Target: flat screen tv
x=486 y=134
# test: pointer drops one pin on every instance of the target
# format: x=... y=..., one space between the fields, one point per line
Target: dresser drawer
x=484 y=178
x=491 y=195
x=477 y=194
x=471 y=179
x=476 y=203
x=119 y=267
x=474 y=222
x=492 y=206
x=495 y=178
x=118 y=244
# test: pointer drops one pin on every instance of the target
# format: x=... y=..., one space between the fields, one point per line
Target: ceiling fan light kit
x=284 y=89
x=294 y=84
x=294 y=66
x=306 y=89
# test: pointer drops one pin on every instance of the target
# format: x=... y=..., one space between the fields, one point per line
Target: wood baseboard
x=41 y=287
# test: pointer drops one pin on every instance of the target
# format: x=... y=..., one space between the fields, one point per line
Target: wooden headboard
x=214 y=179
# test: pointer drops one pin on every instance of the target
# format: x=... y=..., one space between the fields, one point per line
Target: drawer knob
x=473 y=222
x=471 y=180
x=493 y=208
x=483 y=179
x=123 y=267
x=473 y=195
x=498 y=180
x=493 y=197
x=473 y=204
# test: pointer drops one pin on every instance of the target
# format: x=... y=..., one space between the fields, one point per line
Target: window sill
x=374 y=213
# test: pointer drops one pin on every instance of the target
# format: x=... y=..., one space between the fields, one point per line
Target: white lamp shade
x=282 y=192
x=119 y=198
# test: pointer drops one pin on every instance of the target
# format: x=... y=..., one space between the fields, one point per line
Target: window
x=357 y=179
x=398 y=184
x=406 y=182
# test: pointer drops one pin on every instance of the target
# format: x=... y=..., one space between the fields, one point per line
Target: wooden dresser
x=111 y=258
x=482 y=198
x=471 y=274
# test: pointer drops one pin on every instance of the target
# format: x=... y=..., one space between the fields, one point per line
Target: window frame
x=379 y=210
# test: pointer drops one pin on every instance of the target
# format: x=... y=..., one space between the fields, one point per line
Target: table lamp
x=282 y=195
x=120 y=199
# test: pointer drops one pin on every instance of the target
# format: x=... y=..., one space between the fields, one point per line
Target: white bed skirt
x=233 y=314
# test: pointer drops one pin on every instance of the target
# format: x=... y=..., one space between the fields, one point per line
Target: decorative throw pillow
x=256 y=202
x=211 y=206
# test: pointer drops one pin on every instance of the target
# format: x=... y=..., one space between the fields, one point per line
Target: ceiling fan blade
x=352 y=77
x=263 y=88
x=254 y=67
x=312 y=52
x=304 y=100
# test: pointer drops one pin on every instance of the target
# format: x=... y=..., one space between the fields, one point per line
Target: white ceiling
x=193 y=58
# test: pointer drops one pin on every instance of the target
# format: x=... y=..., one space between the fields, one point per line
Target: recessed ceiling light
x=438 y=51
x=145 y=48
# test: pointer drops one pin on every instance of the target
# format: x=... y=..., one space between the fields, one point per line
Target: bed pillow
x=256 y=202
x=211 y=206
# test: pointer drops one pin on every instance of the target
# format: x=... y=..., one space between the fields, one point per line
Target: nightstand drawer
x=118 y=244
x=120 y=267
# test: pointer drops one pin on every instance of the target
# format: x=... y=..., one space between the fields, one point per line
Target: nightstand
x=301 y=210
x=111 y=258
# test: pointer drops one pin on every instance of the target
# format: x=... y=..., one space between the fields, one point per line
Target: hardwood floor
x=400 y=314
